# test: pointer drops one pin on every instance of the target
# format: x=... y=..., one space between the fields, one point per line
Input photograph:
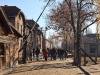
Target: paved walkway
x=58 y=67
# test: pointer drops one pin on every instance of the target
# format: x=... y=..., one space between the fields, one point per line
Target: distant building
x=49 y=44
x=90 y=44
x=35 y=38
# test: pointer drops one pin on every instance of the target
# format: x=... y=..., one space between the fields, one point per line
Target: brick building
x=9 y=40
x=35 y=38
x=16 y=20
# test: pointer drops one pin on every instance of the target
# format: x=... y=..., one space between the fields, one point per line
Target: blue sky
x=30 y=8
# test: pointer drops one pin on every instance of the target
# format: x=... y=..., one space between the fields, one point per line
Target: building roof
x=10 y=29
x=10 y=11
x=4 y=20
x=28 y=26
x=31 y=22
x=91 y=35
x=89 y=38
x=15 y=32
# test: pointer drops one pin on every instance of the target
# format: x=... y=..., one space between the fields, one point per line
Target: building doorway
x=2 y=61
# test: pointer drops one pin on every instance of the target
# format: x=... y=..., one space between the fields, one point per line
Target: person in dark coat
x=61 y=54
x=65 y=54
x=54 y=53
x=58 y=52
x=51 y=53
x=33 y=53
x=37 y=53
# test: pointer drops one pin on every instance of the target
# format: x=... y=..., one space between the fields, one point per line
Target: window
x=1 y=49
x=21 y=43
x=21 y=30
x=92 y=48
x=17 y=26
x=19 y=16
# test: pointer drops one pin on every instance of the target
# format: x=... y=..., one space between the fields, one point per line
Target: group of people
x=32 y=54
x=52 y=53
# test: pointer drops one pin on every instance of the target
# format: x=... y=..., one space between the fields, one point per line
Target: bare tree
x=75 y=15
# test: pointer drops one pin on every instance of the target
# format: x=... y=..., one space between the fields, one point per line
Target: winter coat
x=46 y=53
x=37 y=51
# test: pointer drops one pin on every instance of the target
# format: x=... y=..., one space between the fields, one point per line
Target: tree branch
x=89 y=25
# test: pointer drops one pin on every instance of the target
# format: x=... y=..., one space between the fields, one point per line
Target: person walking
x=58 y=52
x=33 y=53
x=37 y=53
x=51 y=54
x=65 y=54
x=61 y=54
x=54 y=53
x=45 y=54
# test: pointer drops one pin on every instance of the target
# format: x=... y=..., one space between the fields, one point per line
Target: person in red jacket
x=45 y=54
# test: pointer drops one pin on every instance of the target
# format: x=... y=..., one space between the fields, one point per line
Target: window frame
x=93 y=47
x=2 y=48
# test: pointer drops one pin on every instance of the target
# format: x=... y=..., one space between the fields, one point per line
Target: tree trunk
x=24 y=53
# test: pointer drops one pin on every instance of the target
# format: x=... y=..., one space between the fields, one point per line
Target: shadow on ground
x=39 y=67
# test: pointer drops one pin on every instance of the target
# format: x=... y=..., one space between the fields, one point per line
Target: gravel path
x=58 y=67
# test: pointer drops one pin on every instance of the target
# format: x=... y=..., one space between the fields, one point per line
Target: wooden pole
x=87 y=55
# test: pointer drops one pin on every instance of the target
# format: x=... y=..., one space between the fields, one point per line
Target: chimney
x=6 y=5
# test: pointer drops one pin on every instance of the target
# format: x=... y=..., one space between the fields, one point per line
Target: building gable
x=31 y=23
x=16 y=18
x=4 y=23
x=89 y=38
x=10 y=11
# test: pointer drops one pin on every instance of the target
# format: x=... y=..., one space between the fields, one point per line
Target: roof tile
x=10 y=11
x=89 y=38
x=31 y=22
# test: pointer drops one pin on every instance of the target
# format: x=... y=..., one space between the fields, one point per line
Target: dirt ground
x=54 y=67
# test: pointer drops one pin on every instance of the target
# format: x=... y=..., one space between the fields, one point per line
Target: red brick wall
x=12 y=54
